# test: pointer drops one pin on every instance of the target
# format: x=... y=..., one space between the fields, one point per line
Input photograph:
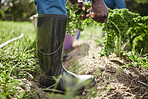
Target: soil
x=112 y=81
x=125 y=83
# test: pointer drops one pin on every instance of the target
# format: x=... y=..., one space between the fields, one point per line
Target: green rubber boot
x=50 y=37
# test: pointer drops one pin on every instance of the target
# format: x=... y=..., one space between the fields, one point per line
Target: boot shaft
x=50 y=38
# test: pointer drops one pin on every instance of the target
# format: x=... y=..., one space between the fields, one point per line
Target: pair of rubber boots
x=50 y=37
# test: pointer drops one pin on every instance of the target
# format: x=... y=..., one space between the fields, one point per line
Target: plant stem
x=118 y=53
x=118 y=46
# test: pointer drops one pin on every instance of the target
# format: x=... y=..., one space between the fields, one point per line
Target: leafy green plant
x=74 y=18
x=139 y=34
x=125 y=28
x=137 y=60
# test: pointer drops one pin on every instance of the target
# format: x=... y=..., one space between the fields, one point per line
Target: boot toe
x=86 y=80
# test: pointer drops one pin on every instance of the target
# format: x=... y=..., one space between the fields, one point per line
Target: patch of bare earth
x=113 y=82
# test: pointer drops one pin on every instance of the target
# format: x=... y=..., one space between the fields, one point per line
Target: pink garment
x=69 y=40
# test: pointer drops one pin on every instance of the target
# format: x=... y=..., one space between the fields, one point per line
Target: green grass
x=17 y=59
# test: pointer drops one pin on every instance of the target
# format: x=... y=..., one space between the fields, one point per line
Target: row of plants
x=128 y=29
x=125 y=32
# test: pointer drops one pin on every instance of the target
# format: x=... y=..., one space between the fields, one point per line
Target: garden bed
x=125 y=83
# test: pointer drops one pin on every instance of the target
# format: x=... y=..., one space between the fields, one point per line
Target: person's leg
x=51 y=6
x=120 y=4
x=50 y=37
